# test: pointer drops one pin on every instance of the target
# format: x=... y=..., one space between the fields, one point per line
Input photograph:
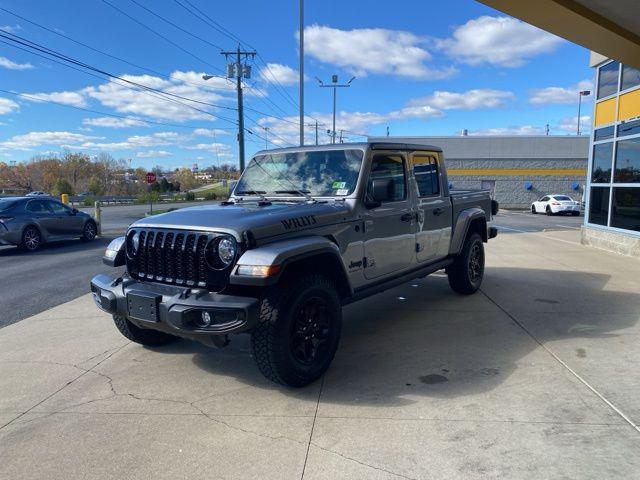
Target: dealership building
x=516 y=169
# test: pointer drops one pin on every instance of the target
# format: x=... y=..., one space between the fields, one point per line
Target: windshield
x=324 y=173
x=7 y=203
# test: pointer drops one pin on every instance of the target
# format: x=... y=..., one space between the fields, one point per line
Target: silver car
x=29 y=222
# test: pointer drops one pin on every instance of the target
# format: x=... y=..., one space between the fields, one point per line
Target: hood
x=263 y=220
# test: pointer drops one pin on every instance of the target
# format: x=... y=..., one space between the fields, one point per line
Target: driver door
x=389 y=245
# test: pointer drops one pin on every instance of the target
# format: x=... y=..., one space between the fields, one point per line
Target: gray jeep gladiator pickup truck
x=306 y=231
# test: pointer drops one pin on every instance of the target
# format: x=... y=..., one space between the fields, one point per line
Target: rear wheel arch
x=479 y=226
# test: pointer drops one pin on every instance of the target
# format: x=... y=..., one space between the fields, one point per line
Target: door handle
x=406 y=217
x=438 y=211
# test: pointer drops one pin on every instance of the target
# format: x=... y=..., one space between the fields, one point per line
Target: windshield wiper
x=251 y=192
x=303 y=193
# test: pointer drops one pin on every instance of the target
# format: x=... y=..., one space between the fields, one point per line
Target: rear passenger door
x=433 y=231
x=42 y=215
x=389 y=245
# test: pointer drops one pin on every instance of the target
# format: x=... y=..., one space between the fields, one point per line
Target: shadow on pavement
x=57 y=247
x=437 y=344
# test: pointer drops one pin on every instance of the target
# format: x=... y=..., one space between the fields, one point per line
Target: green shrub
x=189 y=196
x=88 y=202
x=210 y=196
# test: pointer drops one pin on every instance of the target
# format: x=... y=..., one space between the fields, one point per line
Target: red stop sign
x=151 y=177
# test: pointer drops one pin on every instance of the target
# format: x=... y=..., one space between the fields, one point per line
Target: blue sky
x=421 y=67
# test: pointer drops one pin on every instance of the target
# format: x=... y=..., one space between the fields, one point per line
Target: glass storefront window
x=602 y=157
x=599 y=205
x=630 y=77
x=625 y=210
x=603 y=133
x=629 y=128
x=608 y=79
x=628 y=161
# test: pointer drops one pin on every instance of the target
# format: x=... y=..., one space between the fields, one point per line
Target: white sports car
x=556 y=204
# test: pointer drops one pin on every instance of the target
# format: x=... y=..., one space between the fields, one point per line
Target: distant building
x=516 y=169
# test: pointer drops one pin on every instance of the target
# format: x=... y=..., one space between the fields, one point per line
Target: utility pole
x=581 y=94
x=238 y=70
x=340 y=141
x=266 y=137
x=335 y=85
x=301 y=70
x=316 y=132
x=387 y=130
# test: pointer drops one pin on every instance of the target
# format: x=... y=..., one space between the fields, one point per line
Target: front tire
x=31 y=239
x=143 y=336
x=548 y=211
x=298 y=331
x=575 y=214
x=533 y=210
x=467 y=271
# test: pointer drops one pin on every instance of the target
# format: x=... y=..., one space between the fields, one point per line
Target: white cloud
x=136 y=141
x=510 y=131
x=10 y=28
x=209 y=132
x=154 y=154
x=37 y=139
x=283 y=74
x=11 y=65
x=570 y=124
x=75 y=99
x=7 y=106
x=501 y=41
x=558 y=95
x=215 y=147
x=113 y=122
x=372 y=50
x=469 y=100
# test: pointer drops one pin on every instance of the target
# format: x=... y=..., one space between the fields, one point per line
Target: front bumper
x=175 y=310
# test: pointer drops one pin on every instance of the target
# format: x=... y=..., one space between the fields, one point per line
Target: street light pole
x=581 y=94
x=335 y=85
x=301 y=72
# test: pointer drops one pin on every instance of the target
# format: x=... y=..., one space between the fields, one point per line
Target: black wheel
x=143 y=336
x=575 y=214
x=466 y=272
x=533 y=210
x=31 y=239
x=299 y=330
x=89 y=231
x=548 y=211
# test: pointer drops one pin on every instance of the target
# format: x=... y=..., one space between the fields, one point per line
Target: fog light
x=204 y=320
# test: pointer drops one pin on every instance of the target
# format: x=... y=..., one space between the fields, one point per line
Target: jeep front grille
x=173 y=256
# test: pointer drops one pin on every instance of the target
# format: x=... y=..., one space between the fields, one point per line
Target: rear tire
x=31 y=239
x=467 y=271
x=298 y=331
x=575 y=214
x=89 y=231
x=143 y=336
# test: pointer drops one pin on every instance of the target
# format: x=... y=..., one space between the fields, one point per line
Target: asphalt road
x=33 y=282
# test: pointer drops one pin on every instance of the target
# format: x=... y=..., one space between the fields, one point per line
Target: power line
x=142 y=24
x=146 y=89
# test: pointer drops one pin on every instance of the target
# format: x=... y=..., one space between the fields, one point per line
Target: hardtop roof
x=355 y=145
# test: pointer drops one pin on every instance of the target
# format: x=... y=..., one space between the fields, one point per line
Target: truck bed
x=462 y=199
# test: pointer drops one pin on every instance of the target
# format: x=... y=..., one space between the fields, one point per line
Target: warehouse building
x=516 y=169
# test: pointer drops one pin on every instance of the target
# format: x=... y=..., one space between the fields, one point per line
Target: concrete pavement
x=534 y=377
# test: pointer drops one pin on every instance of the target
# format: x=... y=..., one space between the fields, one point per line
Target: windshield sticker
x=337 y=185
x=342 y=191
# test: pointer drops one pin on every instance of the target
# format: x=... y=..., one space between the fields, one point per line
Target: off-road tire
x=89 y=231
x=281 y=310
x=462 y=275
x=143 y=336
x=31 y=239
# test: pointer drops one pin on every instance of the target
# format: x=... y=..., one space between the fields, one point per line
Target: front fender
x=280 y=254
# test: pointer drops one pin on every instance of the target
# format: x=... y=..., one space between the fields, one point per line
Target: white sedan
x=554 y=204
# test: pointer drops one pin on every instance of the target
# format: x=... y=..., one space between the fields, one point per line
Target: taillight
x=555 y=203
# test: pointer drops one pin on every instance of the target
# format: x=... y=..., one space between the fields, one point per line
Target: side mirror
x=380 y=190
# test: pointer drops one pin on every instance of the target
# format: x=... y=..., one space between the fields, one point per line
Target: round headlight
x=226 y=250
x=135 y=241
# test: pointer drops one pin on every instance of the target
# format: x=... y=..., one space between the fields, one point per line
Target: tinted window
x=599 y=205
x=322 y=173
x=390 y=167
x=603 y=133
x=544 y=199
x=58 y=207
x=37 y=206
x=630 y=77
x=628 y=161
x=608 y=80
x=629 y=128
x=425 y=169
x=625 y=210
x=563 y=198
x=602 y=157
